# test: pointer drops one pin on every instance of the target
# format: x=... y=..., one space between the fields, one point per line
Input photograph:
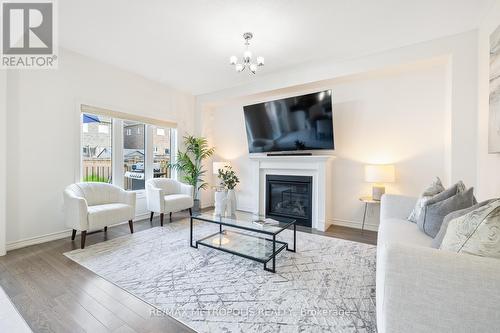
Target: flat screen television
x=291 y=124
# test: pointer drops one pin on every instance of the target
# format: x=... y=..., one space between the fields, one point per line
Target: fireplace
x=289 y=196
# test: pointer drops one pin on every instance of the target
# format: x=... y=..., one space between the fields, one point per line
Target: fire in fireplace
x=289 y=196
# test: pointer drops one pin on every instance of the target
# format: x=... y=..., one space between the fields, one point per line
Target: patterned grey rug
x=327 y=286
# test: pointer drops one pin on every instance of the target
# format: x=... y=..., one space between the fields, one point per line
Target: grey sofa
x=422 y=289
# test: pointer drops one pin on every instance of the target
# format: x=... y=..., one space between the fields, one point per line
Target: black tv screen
x=295 y=123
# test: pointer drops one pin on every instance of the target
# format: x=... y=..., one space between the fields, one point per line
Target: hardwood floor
x=55 y=294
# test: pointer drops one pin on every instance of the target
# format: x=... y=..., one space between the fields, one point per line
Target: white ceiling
x=186 y=43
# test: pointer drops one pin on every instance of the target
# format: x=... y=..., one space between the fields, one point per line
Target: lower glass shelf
x=249 y=246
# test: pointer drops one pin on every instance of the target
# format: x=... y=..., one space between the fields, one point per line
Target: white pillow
x=435 y=188
x=477 y=232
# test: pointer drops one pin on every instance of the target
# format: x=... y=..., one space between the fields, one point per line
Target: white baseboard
x=56 y=235
x=37 y=239
x=353 y=224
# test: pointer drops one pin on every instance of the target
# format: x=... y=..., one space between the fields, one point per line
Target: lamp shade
x=219 y=165
x=380 y=173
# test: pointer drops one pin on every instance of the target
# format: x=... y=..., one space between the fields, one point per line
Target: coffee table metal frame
x=278 y=246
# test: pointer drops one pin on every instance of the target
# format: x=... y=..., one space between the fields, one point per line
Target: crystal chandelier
x=246 y=61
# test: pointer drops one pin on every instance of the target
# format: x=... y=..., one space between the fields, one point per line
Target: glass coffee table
x=246 y=237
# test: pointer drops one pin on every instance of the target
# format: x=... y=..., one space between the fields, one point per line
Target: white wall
x=488 y=164
x=43 y=133
x=3 y=153
x=439 y=139
x=384 y=117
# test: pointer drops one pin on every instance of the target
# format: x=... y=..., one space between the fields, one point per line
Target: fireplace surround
x=319 y=167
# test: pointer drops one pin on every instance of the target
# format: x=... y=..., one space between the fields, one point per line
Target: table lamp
x=379 y=174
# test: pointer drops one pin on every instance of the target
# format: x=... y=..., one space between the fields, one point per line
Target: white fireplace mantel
x=317 y=166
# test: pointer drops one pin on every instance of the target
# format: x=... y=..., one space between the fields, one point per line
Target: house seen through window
x=96 y=148
x=144 y=151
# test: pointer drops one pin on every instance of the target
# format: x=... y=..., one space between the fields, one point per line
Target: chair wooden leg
x=170 y=216
x=151 y=217
x=190 y=212
x=83 y=236
x=131 y=226
x=73 y=234
x=161 y=219
x=105 y=229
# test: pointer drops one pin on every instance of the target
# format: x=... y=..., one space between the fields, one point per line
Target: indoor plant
x=229 y=180
x=189 y=162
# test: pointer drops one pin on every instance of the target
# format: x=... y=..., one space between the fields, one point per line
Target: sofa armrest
x=433 y=290
x=396 y=206
x=186 y=189
x=75 y=211
x=129 y=198
x=155 y=199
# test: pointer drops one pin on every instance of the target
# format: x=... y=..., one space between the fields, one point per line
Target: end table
x=367 y=201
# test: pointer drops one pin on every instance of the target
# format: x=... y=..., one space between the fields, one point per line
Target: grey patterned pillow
x=435 y=188
x=477 y=232
x=439 y=206
x=436 y=242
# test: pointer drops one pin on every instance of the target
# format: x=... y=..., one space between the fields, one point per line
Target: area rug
x=328 y=285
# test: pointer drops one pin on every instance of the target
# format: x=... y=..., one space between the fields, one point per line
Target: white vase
x=231 y=203
x=220 y=202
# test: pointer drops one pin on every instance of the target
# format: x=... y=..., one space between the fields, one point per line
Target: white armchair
x=166 y=195
x=92 y=205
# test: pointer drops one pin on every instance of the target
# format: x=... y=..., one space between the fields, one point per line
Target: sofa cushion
x=431 y=219
x=433 y=189
x=393 y=230
x=178 y=202
x=477 y=232
x=103 y=215
x=436 y=242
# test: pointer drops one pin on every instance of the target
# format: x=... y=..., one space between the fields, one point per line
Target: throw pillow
x=436 y=242
x=433 y=189
x=477 y=232
x=434 y=211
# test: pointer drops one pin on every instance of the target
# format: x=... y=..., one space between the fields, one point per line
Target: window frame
x=116 y=130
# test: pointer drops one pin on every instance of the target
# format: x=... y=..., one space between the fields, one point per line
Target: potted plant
x=229 y=180
x=189 y=162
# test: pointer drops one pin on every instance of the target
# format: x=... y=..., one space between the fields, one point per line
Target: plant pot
x=196 y=206
x=230 y=203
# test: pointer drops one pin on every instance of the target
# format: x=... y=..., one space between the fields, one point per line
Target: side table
x=367 y=201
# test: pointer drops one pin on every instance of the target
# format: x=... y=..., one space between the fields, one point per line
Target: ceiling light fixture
x=246 y=61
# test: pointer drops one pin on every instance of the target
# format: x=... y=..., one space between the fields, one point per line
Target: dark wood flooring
x=55 y=294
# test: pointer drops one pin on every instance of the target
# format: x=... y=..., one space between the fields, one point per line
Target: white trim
x=3 y=161
x=112 y=113
x=148 y=153
x=57 y=235
x=117 y=153
x=173 y=152
x=352 y=224
x=37 y=240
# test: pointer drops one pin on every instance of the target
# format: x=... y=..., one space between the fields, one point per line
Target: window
x=104 y=129
x=96 y=148
x=141 y=151
x=134 y=155
x=161 y=152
